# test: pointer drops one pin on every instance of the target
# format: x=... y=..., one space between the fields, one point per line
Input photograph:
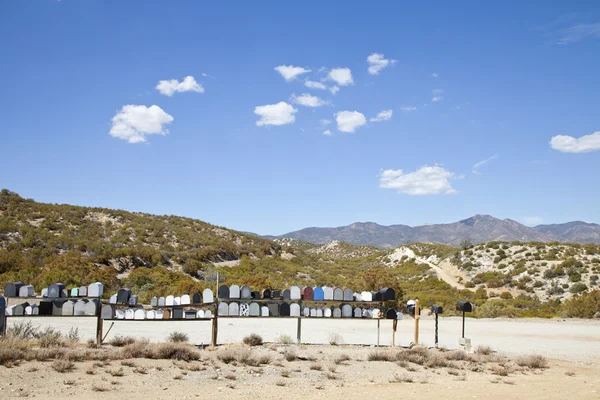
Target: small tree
x=465 y=244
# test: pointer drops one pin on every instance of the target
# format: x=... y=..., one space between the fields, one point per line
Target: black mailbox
x=223 y=292
x=196 y=298
x=387 y=294
x=266 y=294
x=464 y=306
x=436 y=309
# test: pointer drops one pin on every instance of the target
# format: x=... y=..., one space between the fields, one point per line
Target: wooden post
x=215 y=326
x=99 y=325
x=417 y=316
x=378 y=329
x=299 y=330
x=394 y=328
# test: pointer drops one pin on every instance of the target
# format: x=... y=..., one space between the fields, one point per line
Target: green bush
x=578 y=287
x=585 y=305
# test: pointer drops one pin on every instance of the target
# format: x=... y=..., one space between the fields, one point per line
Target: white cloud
x=435 y=75
x=377 y=62
x=437 y=95
x=533 y=220
x=327 y=132
x=341 y=76
x=133 y=123
x=475 y=168
x=408 y=108
x=188 y=84
x=426 y=180
x=570 y=144
x=315 y=85
x=325 y=122
x=281 y=113
x=384 y=115
x=289 y=72
x=334 y=90
x=307 y=100
x=349 y=121
x=578 y=32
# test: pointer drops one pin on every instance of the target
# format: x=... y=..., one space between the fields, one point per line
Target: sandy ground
x=566 y=339
x=573 y=347
x=299 y=379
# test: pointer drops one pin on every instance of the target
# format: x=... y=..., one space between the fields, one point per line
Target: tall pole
x=463 y=326
x=436 y=330
x=417 y=316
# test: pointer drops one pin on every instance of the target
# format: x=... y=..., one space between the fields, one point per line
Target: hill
x=160 y=255
x=477 y=229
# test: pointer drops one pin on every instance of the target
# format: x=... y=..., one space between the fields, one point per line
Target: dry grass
x=401 y=378
x=570 y=373
x=381 y=355
x=178 y=337
x=290 y=355
x=280 y=383
x=316 y=367
x=178 y=377
x=91 y=371
x=175 y=351
x=116 y=372
x=335 y=339
x=231 y=377
x=63 y=366
x=331 y=376
x=484 y=350
x=140 y=370
x=69 y=382
x=128 y=363
x=120 y=341
x=285 y=373
x=285 y=339
x=98 y=388
x=253 y=340
x=533 y=361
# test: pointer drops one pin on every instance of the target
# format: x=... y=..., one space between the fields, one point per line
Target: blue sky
x=509 y=76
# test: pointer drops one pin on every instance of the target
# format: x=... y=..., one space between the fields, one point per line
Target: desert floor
x=571 y=346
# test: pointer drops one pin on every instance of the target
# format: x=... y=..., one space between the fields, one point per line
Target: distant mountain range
x=477 y=229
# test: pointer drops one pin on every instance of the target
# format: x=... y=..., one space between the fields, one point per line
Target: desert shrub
x=120 y=341
x=506 y=295
x=342 y=358
x=578 y=287
x=50 y=338
x=23 y=330
x=178 y=337
x=381 y=355
x=63 y=365
x=532 y=361
x=497 y=308
x=137 y=349
x=583 y=306
x=285 y=339
x=12 y=350
x=253 y=340
x=290 y=355
x=484 y=350
x=555 y=290
x=335 y=339
x=175 y=351
x=227 y=356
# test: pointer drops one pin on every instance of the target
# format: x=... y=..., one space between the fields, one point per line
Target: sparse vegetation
x=253 y=340
x=178 y=337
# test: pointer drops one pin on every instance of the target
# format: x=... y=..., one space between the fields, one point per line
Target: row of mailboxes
x=55 y=290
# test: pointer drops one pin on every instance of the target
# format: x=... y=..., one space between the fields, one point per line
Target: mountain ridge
x=478 y=228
